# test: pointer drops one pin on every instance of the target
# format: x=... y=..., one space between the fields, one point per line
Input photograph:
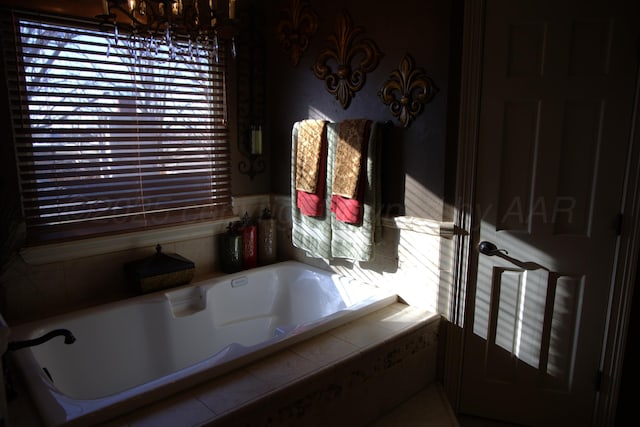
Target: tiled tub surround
x=130 y=353
x=411 y=260
x=60 y=278
x=347 y=376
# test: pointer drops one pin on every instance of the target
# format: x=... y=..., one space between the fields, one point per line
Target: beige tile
x=231 y=391
x=252 y=415
x=427 y=408
x=471 y=421
x=282 y=368
x=293 y=406
x=184 y=410
x=97 y=279
x=35 y=292
x=324 y=350
x=362 y=334
x=115 y=423
x=22 y=411
x=399 y=317
x=202 y=252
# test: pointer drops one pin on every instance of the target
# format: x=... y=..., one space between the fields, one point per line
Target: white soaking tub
x=130 y=353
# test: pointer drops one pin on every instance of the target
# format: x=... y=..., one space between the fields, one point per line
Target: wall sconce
x=250 y=86
x=251 y=147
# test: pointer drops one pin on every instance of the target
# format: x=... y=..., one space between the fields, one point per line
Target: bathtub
x=130 y=353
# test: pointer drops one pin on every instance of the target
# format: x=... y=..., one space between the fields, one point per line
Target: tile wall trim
x=252 y=204
x=67 y=251
x=410 y=223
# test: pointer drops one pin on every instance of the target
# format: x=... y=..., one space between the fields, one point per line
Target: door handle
x=490 y=249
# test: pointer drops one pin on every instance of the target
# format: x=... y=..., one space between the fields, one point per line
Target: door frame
x=467 y=230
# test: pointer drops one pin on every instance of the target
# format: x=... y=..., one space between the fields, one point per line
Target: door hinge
x=618 y=224
x=598 y=380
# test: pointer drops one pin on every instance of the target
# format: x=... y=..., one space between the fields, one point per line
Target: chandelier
x=184 y=27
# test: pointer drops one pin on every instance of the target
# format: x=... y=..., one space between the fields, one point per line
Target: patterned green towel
x=326 y=237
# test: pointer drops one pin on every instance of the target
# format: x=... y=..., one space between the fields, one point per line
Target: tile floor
x=469 y=421
x=428 y=408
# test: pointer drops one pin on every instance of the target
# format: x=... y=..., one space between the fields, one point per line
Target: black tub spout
x=68 y=339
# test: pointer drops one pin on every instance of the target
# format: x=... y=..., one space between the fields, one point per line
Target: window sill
x=66 y=251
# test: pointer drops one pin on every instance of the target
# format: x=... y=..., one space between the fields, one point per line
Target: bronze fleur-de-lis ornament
x=349 y=75
x=407 y=90
x=297 y=26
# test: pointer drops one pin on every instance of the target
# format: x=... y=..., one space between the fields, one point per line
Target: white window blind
x=110 y=137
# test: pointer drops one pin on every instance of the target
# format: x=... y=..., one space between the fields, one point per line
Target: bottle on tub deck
x=249 y=242
x=266 y=238
x=231 y=249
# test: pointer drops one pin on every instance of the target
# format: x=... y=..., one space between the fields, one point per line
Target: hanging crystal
x=186 y=28
x=215 y=48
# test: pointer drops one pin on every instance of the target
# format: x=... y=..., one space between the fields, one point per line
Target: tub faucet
x=10 y=391
x=17 y=345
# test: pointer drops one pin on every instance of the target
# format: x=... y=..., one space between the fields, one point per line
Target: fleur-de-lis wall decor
x=349 y=75
x=407 y=90
x=297 y=26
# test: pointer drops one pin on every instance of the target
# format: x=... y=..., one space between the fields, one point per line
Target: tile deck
x=229 y=398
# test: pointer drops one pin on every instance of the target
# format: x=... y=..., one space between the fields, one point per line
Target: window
x=110 y=138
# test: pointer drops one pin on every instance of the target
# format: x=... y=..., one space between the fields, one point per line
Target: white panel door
x=555 y=120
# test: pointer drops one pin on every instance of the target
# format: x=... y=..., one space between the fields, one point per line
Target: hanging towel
x=350 y=170
x=349 y=154
x=312 y=233
x=311 y=135
x=310 y=167
x=358 y=241
x=326 y=236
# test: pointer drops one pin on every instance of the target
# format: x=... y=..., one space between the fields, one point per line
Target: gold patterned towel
x=308 y=154
x=351 y=135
